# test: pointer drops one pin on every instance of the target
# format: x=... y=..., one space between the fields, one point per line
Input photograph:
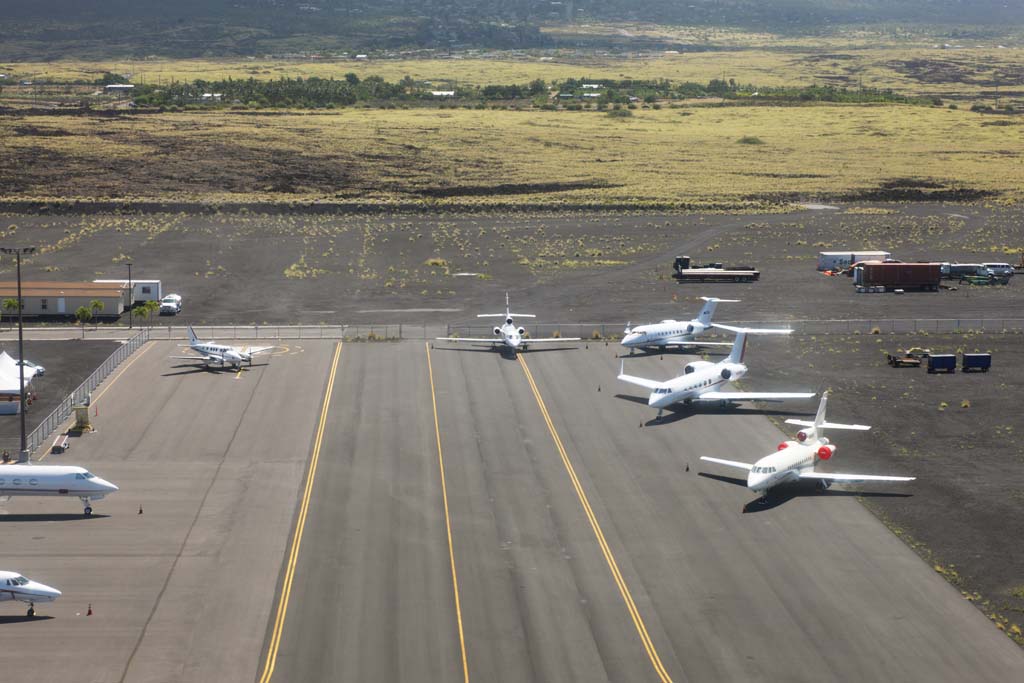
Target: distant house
x=64 y=298
x=443 y=93
x=592 y=86
x=212 y=96
x=119 y=87
x=361 y=57
x=591 y=94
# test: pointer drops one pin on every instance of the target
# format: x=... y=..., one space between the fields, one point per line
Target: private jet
x=675 y=332
x=508 y=335
x=211 y=353
x=14 y=586
x=53 y=480
x=701 y=380
x=796 y=460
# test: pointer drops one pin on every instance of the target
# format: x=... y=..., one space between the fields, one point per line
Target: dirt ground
x=247 y=268
x=956 y=433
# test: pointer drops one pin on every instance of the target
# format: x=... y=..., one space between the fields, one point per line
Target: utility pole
x=131 y=295
x=18 y=251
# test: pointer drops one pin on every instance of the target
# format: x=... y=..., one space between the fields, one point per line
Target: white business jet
x=701 y=380
x=222 y=355
x=508 y=335
x=675 y=332
x=795 y=460
x=53 y=480
x=14 y=586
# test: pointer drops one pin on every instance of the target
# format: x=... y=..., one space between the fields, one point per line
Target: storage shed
x=64 y=298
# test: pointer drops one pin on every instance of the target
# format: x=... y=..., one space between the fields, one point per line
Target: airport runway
x=665 y=578
x=582 y=547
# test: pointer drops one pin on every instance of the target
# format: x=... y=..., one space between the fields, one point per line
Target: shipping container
x=838 y=260
x=924 y=276
x=980 y=362
x=943 y=362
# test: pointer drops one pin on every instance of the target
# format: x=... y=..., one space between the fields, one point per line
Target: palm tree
x=83 y=315
x=96 y=307
x=149 y=308
x=11 y=305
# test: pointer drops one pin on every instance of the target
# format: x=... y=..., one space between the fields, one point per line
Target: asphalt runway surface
x=588 y=542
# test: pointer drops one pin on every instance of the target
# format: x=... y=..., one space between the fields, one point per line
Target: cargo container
x=943 y=362
x=924 y=276
x=838 y=260
x=979 y=362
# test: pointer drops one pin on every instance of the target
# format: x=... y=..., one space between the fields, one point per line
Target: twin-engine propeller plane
x=701 y=380
x=509 y=335
x=14 y=586
x=675 y=332
x=221 y=355
x=796 y=460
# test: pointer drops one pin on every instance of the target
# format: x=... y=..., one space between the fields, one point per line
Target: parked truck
x=923 y=276
x=711 y=272
x=840 y=260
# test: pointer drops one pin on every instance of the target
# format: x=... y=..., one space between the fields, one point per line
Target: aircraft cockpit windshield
x=17 y=581
x=84 y=475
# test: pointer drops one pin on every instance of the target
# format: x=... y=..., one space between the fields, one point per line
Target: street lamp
x=131 y=295
x=18 y=251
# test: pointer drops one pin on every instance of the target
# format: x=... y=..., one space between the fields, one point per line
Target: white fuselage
x=689 y=386
x=14 y=586
x=665 y=333
x=785 y=465
x=511 y=336
x=221 y=353
x=52 y=480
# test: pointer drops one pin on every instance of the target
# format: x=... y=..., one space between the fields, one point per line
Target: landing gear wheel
x=31 y=611
x=88 y=511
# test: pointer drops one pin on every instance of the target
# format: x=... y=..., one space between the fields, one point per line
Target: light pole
x=18 y=251
x=131 y=295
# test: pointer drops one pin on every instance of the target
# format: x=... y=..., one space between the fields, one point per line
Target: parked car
x=170 y=304
x=40 y=370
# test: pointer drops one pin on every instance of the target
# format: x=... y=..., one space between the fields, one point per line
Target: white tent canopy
x=9 y=374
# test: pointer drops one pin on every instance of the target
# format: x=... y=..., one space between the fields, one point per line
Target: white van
x=1000 y=269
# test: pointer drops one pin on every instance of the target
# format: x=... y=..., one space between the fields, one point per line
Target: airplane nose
x=107 y=485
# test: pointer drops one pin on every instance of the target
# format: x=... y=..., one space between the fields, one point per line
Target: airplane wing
x=207 y=359
x=751 y=395
x=468 y=339
x=640 y=381
x=851 y=477
x=828 y=425
x=550 y=339
x=730 y=463
x=492 y=315
x=256 y=350
x=695 y=343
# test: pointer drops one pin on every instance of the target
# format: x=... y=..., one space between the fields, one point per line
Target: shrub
x=750 y=140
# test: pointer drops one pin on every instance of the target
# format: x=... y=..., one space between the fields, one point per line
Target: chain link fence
x=80 y=395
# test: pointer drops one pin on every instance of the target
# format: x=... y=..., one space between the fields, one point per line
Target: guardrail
x=77 y=397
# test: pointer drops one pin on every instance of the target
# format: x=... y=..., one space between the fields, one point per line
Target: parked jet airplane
x=222 y=355
x=701 y=379
x=675 y=332
x=14 y=586
x=53 y=480
x=795 y=460
x=509 y=336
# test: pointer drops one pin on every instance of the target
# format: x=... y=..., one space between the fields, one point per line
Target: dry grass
x=458 y=157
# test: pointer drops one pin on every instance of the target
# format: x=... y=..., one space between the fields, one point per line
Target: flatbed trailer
x=715 y=275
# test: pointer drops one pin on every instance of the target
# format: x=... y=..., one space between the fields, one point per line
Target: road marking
x=447 y=520
x=92 y=401
x=300 y=523
x=627 y=597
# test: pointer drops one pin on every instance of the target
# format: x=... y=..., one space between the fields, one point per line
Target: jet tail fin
x=710 y=303
x=820 y=423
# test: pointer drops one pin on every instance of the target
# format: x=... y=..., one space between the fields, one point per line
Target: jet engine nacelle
x=826 y=451
x=689 y=329
x=521 y=331
x=497 y=330
x=726 y=373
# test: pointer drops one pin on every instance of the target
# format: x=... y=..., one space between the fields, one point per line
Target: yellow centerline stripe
x=447 y=521
x=146 y=347
x=627 y=597
x=289 y=574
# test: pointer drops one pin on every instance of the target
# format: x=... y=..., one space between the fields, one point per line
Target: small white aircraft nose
x=103 y=483
x=630 y=338
x=43 y=591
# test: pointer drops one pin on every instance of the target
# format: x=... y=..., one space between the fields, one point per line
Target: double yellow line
x=638 y=621
x=289 y=574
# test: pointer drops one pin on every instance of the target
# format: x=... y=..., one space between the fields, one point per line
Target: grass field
x=724 y=157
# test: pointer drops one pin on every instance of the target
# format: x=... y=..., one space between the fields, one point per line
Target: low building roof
x=38 y=288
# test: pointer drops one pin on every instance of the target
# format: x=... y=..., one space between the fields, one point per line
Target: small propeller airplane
x=796 y=460
x=508 y=335
x=14 y=586
x=701 y=379
x=675 y=332
x=222 y=355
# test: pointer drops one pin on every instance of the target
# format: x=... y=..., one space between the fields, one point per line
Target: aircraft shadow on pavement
x=19 y=619
x=681 y=412
x=644 y=353
x=50 y=517
x=803 y=489
x=195 y=369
